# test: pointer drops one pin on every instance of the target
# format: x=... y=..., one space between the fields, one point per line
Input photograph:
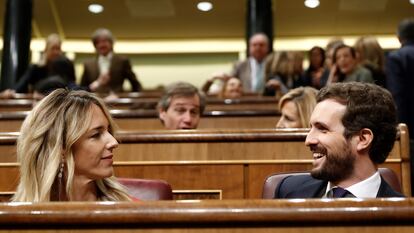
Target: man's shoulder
x=298 y=179
x=299 y=186
x=403 y=51
x=242 y=63
x=240 y=68
x=90 y=61
x=117 y=57
x=385 y=190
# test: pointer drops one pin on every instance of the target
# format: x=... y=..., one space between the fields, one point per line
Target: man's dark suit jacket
x=400 y=82
x=119 y=70
x=305 y=186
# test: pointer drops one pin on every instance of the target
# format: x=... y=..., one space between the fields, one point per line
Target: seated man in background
x=107 y=71
x=250 y=71
x=353 y=129
x=181 y=106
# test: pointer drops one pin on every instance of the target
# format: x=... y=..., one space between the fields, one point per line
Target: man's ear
x=365 y=138
x=161 y=114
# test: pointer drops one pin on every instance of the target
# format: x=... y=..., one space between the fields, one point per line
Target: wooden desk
x=245 y=103
x=212 y=104
x=236 y=216
x=148 y=119
x=13 y=105
x=231 y=164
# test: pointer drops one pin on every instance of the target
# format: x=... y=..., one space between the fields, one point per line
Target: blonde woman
x=279 y=73
x=65 y=151
x=371 y=56
x=43 y=69
x=296 y=107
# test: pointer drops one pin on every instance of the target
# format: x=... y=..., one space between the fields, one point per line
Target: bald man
x=251 y=70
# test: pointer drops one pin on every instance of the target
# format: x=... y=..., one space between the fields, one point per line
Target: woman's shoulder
x=134 y=199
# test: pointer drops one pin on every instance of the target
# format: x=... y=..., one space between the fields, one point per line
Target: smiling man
x=181 y=106
x=107 y=71
x=353 y=128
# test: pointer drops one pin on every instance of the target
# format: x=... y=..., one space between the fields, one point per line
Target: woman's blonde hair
x=370 y=51
x=46 y=139
x=51 y=40
x=304 y=99
x=279 y=63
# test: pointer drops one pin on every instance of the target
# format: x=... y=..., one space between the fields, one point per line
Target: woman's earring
x=62 y=166
x=61 y=183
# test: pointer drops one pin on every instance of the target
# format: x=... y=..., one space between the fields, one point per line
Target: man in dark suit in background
x=400 y=80
x=107 y=71
x=353 y=129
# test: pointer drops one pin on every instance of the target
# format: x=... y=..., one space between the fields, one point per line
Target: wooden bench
x=228 y=164
x=251 y=103
x=141 y=94
x=148 y=119
x=261 y=216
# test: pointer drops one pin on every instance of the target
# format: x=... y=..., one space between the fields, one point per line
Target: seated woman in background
x=214 y=85
x=279 y=74
x=65 y=151
x=62 y=75
x=346 y=68
x=44 y=69
x=232 y=89
x=223 y=86
x=371 y=56
x=316 y=75
x=296 y=107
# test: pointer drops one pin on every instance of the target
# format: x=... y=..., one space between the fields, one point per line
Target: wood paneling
x=148 y=119
x=235 y=162
x=228 y=178
x=212 y=104
x=227 y=216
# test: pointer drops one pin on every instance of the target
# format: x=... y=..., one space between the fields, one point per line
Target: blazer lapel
x=385 y=190
x=94 y=68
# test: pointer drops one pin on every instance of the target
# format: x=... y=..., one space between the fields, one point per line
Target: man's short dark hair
x=180 y=89
x=406 y=30
x=367 y=106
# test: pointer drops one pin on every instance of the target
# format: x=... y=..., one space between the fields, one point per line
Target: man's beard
x=337 y=166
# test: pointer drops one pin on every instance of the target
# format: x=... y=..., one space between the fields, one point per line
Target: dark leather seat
x=272 y=181
x=147 y=189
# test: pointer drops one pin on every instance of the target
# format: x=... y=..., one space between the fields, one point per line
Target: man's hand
x=103 y=79
x=8 y=94
x=274 y=84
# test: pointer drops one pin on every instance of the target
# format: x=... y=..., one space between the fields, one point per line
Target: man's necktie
x=259 y=79
x=339 y=192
